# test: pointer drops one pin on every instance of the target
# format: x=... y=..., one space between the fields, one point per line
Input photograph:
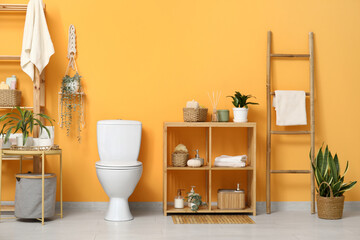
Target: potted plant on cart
x=330 y=185
x=240 y=101
x=23 y=120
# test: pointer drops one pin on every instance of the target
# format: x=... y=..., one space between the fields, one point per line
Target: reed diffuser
x=214 y=102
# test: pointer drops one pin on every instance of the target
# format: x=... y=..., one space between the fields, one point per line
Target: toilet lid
x=118 y=165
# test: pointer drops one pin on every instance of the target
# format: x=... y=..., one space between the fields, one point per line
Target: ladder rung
x=291 y=171
x=306 y=93
x=290 y=132
x=290 y=55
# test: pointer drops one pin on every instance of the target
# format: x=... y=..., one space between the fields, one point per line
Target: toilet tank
x=118 y=140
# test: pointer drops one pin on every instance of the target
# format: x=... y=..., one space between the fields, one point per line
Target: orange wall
x=143 y=60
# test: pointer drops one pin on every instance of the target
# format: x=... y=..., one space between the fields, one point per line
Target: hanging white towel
x=37 y=46
x=290 y=108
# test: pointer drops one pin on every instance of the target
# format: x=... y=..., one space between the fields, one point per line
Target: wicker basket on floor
x=195 y=114
x=10 y=98
x=330 y=207
x=179 y=159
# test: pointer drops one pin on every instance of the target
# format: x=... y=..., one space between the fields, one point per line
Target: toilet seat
x=118 y=165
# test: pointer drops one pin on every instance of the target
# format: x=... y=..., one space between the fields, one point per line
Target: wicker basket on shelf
x=179 y=159
x=10 y=98
x=195 y=114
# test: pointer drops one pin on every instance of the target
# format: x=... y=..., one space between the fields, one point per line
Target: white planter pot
x=29 y=141
x=5 y=145
x=73 y=86
x=240 y=114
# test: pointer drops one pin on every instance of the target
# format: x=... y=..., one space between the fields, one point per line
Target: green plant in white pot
x=331 y=186
x=24 y=121
x=240 y=102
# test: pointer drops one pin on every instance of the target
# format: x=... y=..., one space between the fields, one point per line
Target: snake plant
x=240 y=100
x=23 y=120
x=327 y=169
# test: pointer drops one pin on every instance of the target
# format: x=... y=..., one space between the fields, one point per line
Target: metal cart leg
x=61 y=190
x=42 y=187
x=0 y=179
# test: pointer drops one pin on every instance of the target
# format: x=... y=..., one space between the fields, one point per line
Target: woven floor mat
x=212 y=219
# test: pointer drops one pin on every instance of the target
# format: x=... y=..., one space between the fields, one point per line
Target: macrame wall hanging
x=71 y=96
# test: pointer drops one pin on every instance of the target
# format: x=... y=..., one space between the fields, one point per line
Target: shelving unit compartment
x=192 y=138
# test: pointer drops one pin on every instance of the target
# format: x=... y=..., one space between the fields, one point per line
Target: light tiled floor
x=151 y=224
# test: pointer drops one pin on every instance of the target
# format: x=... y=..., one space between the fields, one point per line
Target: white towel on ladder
x=290 y=108
x=37 y=46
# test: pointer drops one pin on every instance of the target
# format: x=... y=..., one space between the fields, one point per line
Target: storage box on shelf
x=209 y=169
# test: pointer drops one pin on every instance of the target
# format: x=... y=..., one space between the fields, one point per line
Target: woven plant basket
x=195 y=114
x=330 y=207
x=10 y=98
x=179 y=159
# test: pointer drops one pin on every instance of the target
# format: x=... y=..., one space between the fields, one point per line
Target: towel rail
x=15 y=7
x=290 y=132
x=306 y=93
x=290 y=55
x=269 y=132
x=291 y=171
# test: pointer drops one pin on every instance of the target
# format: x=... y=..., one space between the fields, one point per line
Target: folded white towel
x=37 y=46
x=231 y=159
x=229 y=164
x=290 y=108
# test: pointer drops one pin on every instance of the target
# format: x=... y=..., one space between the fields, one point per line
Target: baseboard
x=260 y=206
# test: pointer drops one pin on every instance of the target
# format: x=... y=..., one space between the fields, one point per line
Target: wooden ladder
x=309 y=56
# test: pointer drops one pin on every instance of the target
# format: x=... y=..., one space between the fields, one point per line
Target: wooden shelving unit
x=38 y=92
x=38 y=83
x=249 y=170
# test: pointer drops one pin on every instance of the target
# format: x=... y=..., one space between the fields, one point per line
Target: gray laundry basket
x=28 y=195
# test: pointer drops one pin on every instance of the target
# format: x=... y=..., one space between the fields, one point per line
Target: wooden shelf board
x=214 y=209
x=16 y=158
x=9 y=58
x=245 y=210
x=209 y=124
x=25 y=107
x=232 y=168
x=15 y=7
x=78 y=93
x=188 y=168
x=13 y=107
x=171 y=209
x=7 y=208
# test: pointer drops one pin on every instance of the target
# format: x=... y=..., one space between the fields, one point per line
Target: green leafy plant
x=71 y=102
x=196 y=200
x=327 y=169
x=23 y=120
x=241 y=101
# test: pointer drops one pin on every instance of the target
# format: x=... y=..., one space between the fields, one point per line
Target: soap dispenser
x=197 y=157
x=179 y=200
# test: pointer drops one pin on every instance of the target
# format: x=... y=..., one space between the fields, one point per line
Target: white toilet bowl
x=118 y=183
x=118 y=169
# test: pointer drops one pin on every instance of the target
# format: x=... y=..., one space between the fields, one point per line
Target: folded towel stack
x=231 y=161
